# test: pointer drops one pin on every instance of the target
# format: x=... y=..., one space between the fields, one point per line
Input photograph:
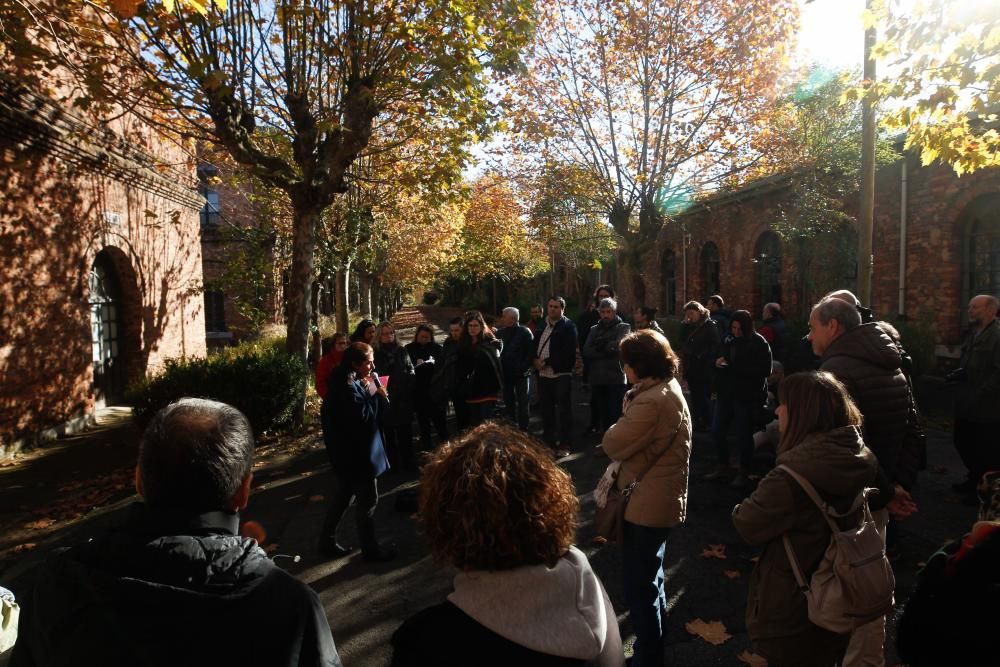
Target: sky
x=831 y=33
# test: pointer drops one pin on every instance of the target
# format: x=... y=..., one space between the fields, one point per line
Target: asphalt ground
x=366 y=602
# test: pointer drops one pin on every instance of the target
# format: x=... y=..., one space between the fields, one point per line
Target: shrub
x=431 y=297
x=262 y=381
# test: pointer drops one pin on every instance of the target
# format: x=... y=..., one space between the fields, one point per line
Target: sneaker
x=383 y=554
x=332 y=550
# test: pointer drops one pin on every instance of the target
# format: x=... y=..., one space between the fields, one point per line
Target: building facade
x=100 y=263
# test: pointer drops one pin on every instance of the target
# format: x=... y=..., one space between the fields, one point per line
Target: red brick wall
x=936 y=201
x=52 y=226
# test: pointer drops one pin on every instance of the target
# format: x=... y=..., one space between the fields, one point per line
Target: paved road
x=365 y=603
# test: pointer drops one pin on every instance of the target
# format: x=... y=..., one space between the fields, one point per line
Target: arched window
x=767 y=259
x=668 y=276
x=981 y=249
x=710 y=266
x=105 y=331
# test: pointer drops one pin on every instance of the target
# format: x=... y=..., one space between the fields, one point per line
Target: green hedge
x=262 y=381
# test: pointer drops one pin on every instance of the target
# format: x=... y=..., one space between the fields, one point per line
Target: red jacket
x=327 y=363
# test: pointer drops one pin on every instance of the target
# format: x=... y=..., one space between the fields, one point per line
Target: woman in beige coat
x=654 y=432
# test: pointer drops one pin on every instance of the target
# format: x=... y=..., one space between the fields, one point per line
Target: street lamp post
x=867 y=217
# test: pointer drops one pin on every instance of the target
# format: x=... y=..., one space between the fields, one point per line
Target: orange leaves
x=731 y=574
x=40 y=524
x=752 y=659
x=714 y=632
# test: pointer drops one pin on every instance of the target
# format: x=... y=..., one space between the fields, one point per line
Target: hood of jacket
x=561 y=610
x=836 y=462
x=870 y=343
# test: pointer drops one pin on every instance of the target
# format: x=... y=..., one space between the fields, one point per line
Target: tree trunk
x=342 y=279
x=365 y=296
x=317 y=336
x=298 y=296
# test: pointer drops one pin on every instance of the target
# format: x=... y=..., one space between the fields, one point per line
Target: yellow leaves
x=200 y=6
x=714 y=632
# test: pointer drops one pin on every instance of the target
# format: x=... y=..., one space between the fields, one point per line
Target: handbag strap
x=652 y=461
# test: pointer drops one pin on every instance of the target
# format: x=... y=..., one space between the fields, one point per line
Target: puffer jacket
x=601 y=351
x=867 y=361
x=839 y=466
x=171 y=590
x=646 y=429
x=978 y=397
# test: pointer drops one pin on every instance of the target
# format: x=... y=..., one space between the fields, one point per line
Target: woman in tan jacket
x=653 y=433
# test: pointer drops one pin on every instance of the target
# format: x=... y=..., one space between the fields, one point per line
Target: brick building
x=951 y=226
x=100 y=263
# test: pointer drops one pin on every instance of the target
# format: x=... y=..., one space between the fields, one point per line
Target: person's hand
x=901 y=506
x=539 y=364
x=721 y=362
x=419 y=361
x=383 y=392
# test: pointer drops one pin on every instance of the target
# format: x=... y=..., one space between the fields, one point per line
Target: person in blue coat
x=351 y=413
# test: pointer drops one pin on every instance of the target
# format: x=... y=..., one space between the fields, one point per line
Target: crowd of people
x=495 y=504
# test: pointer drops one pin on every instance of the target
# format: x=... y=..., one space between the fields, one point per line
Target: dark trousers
x=814 y=647
x=429 y=413
x=365 y=491
x=607 y=398
x=515 y=397
x=477 y=413
x=738 y=413
x=399 y=445
x=554 y=396
x=978 y=446
x=643 y=549
x=701 y=407
x=461 y=414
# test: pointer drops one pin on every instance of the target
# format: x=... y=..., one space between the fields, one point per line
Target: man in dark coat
x=977 y=404
x=427 y=356
x=515 y=360
x=555 y=357
x=722 y=315
x=865 y=358
x=701 y=342
x=176 y=584
x=607 y=378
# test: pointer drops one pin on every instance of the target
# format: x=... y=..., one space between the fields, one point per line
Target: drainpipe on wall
x=902 y=239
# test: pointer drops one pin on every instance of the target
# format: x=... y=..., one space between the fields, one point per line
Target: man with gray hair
x=977 y=401
x=515 y=360
x=868 y=361
x=176 y=584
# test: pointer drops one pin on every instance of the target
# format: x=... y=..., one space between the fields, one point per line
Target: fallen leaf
x=317 y=498
x=752 y=659
x=714 y=632
x=39 y=524
x=732 y=574
x=27 y=546
x=715 y=551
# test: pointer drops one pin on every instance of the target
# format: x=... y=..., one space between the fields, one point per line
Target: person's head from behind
x=196 y=456
x=455 y=327
x=814 y=402
x=643 y=316
x=715 y=302
x=424 y=335
x=495 y=500
x=647 y=354
x=771 y=311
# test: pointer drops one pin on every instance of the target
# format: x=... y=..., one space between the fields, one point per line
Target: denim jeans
x=643 y=550
x=554 y=394
x=515 y=397
x=737 y=413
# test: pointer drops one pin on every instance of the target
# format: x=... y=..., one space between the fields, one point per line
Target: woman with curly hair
x=496 y=506
x=652 y=440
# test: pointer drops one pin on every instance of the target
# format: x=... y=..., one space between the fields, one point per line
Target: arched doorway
x=711 y=265
x=106 y=331
x=981 y=249
x=668 y=276
x=768 y=261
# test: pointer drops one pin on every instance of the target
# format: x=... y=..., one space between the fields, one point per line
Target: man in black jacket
x=176 y=585
x=515 y=360
x=555 y=357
